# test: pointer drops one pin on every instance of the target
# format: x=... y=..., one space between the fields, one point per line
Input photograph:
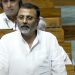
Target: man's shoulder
x=45 y=33
x=9 y=36
x=48 y=36
x=2 y=15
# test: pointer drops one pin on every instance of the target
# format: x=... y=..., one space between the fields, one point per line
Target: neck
x=29 y=39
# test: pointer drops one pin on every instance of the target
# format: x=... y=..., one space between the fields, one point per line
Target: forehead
x=25 y=11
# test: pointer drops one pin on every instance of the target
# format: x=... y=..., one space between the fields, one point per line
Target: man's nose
x=25 y=20
x=8 y=4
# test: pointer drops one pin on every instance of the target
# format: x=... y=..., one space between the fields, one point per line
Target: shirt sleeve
x=3 y=60
x=65 y=56
x=57 y=62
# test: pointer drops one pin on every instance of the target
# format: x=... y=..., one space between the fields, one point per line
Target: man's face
x=27 y=21
x=10 y=7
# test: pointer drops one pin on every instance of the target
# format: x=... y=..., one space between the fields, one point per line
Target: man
x=8 y=17
x=30 y=51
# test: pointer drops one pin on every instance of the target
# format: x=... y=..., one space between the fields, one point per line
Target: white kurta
x=43 y=58
x=5 y=23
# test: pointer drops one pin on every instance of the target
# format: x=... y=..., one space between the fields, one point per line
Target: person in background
x=8 y=17
x=30 y=51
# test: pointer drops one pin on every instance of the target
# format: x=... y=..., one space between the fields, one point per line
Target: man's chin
x=25 y=32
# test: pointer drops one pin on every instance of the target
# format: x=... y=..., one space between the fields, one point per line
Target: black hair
x=20 y=3
x=31 y=6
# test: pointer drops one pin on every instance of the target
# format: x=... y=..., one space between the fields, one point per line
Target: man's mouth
x=25 y=27
x=9 y=10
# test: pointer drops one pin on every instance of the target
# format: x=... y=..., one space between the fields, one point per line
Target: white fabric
x=65 y=57
x=42 y=24
x=5 y=23
x=43 y=58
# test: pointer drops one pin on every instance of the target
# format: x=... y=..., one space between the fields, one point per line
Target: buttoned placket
x=28 y=49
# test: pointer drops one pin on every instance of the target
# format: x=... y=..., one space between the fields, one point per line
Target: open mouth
x=25 y=27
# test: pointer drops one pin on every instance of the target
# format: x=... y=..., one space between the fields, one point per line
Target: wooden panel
x=70 y=73
x=58 y=32
x=52 y=2
x=5 y=31
x=63 y=2
x=67 y=48
x=1 y=10
x=50 y=12
x=70 y=69
x=41 y=3
x=53 y=22
x=69 y=32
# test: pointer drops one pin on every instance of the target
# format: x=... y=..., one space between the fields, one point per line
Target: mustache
x=24 y=26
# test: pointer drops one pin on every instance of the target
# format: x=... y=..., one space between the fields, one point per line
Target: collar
x=36 y=40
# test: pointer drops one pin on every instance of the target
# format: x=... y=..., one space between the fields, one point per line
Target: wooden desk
x=5 y=31
x=70 y=70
